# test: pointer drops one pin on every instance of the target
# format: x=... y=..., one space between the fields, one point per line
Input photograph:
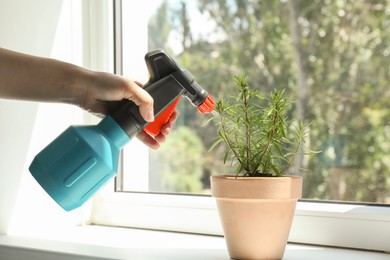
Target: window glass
x=331 y=57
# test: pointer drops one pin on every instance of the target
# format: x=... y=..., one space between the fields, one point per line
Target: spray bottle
x=73 y=167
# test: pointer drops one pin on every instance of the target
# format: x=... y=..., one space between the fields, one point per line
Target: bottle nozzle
x=207 y=106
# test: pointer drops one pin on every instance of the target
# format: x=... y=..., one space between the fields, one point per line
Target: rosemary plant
x=259 y=138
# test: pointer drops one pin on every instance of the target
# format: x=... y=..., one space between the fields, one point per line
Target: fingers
x=166 y=129
x=148 y=140
x=154 y=143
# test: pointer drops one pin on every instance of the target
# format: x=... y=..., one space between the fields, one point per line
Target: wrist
x=77 y=87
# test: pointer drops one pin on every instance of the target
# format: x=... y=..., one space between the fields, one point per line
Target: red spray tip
x=207 y=106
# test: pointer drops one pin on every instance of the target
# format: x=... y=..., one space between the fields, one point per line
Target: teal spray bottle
x=73 y=167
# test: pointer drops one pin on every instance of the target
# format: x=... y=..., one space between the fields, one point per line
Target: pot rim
x=232 y=176
x=230 y=186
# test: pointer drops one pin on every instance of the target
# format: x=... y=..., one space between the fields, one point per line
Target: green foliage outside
x=331 y=57
x=178 y=164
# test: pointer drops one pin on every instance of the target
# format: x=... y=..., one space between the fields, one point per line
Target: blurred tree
x=178 y=165
x=159 y=28
x=332 y=56
x=345 y=43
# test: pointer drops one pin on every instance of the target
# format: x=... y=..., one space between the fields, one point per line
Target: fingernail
x=150 y=116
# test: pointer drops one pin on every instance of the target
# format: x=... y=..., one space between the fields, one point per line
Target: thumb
x=142 y=99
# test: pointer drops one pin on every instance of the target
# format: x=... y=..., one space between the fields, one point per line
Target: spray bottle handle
x=154 y=128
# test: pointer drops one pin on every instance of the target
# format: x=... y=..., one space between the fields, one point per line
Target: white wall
x=47 y=28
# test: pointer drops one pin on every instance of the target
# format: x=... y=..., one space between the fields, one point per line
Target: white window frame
x=332 y=224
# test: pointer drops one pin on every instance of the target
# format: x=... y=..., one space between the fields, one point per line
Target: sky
x=200 y=25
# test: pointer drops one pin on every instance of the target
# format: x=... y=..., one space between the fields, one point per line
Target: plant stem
x=228 y=143
x=275 y=122
x=247 y=124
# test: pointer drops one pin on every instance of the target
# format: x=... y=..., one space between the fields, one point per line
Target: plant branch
x=259 y=137
x=226 y=138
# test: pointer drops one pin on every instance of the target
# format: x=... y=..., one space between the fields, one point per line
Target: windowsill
x=98 y=242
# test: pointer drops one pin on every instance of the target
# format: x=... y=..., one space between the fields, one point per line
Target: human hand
x=103 y=91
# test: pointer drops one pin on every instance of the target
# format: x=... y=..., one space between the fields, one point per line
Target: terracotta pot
x=256 y=213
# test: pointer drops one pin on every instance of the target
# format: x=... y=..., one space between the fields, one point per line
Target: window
x=325 y=57
x=30 y=126
x=331 y=56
